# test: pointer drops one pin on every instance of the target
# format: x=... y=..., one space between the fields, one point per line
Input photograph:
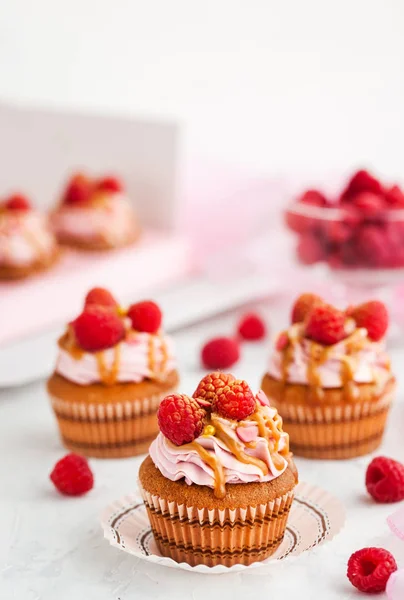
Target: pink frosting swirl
x=183 y=462
x=134 y=364
x=111 y=220
x=370 y=363
x=25 y=238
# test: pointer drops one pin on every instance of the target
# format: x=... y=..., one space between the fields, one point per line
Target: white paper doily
x=315 y=517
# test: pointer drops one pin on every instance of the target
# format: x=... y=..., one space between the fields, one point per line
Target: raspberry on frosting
x=145 y=316
x=212 y=385
x=325 y=324
x=17 y=202
x=220 y=353
x=100 y=297
x=385 y=480
x=109 y=184
x=98 y=328
x=78 y=191
x=180 y=418
x=369 y=569
x=236 y=401
x=72 y=476
x=303 y=305
x=373 y=316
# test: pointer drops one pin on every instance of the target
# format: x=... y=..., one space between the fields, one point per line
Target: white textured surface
x=52 y=547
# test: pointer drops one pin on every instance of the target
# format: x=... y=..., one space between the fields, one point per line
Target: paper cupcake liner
x=335 y=431
x=315 y=517
x=113 y=430
x=211 y=537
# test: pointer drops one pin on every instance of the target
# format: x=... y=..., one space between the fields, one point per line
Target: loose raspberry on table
x=78 y=191
x=211 y=385
x=220 y=353
x=180 y=418
x=72 y=475
x=109 y=184
x=146 y=316
x=361 y=181
x=310 y=249
x=303 y=306
x=325 y=324
x=98 y=328
x=385 y=480
x=17 y=202
x=373 y=316
x=369 y=569
x=236 y=401
x=252 y=327
x=100 y=297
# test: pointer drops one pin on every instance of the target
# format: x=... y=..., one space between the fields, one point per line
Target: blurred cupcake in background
x=27 y=245
x=113 y=368
x=330 y=378
x=95 y=214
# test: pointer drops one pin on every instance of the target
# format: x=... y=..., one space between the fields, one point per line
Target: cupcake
x=27 y=245
x=112 y=370
x=95 y=215
x=330 y=378
x=219 y=480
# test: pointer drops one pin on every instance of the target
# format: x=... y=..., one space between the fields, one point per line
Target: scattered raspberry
x=98 y=328
x=310 y=249
x=236 y=401
x=211 y=385
x=362 y=181
x=100 y=297
x=72 y=476
x=370 y=568
x=394 y=197
x=180 y=418
x=325 y=324
x=220 y=353
x=373 y=316
x=282 y=342
x=369 y=204
x=252 y=327
x=78 y=190
x=109 y=184
x=385 y=480
x=17 y=202
x=145 y=316
x=303 y=306
x=313 y=197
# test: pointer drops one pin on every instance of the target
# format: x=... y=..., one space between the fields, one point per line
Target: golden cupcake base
x=13 y=273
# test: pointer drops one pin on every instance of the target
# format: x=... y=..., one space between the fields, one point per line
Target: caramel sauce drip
x=215 y=464
x=164 y=352
x=151 y=355
x=108 y=376
x=67 y=343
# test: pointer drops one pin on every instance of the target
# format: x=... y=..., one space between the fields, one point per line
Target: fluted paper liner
x=113 y=430
x=315 y=516
x=335 y=431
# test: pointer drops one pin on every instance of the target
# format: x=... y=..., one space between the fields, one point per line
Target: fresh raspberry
x=145 y=316
x=109 y=184
x=370 y=568
x=282 y=342
x=373 y=247
x=17 y=202
x=337 y=232
x=310 y=250
x=180 y=418
x=98 y=328
x=373 y=316
x=220 y=353
x=362 y=181
x=211 y=385
x=236 y=401
x=313 y=197
x=78 y=190
x=299 y=223
x=325 y=324
x=394 y=197
x=369 y=204
x=385 y=480
x=72 y=476
x=252 y=327
x=303 y=306
x=100 y=297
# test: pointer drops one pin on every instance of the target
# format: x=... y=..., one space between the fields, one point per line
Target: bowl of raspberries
x=362 y=228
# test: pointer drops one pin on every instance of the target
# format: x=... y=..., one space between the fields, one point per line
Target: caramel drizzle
x=214 y=463
x=67 y=343
x=108 y=377
x=151 y=355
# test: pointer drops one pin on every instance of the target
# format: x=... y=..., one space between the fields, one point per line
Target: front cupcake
x=95 y=215
x=330 y=378
x=113 y=368
x=219 y=481
x=27 y=245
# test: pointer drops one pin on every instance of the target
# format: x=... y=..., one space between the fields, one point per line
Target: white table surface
x=52 y=547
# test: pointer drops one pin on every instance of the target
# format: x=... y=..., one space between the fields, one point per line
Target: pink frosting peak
x=25 y=238
x=185 y=462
